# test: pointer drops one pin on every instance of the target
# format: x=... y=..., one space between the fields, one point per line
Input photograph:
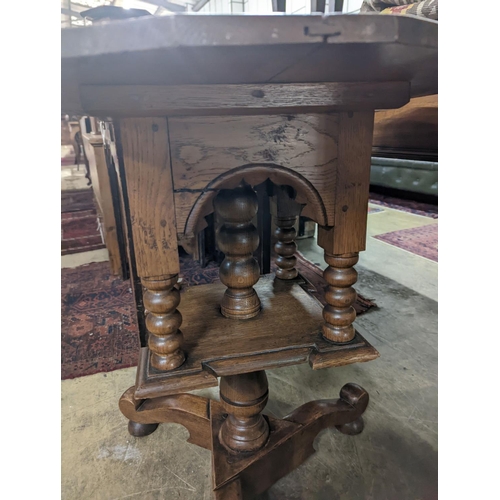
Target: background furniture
x=106 y=195
x=197 y=123
x=405 y=148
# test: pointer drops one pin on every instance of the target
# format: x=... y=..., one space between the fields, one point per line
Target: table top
x=186 y=49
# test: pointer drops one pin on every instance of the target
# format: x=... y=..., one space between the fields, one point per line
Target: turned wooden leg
x=286 y=247
x=238 y=239
x=163 y=321
x=244 y=397
x=285 y=211
x=339 y=312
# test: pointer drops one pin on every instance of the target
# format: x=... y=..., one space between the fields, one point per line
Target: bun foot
x=352 y=428
x=140 y=430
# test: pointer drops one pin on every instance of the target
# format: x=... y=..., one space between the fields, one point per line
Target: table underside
x=286 y=332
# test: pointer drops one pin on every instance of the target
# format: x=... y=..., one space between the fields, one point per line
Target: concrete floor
x=395 y=458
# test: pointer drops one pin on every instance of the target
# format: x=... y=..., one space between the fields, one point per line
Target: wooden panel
x=144 y=145
x=205 y=148
x=202 y=100
x=94 y=150
x=353 y=184
x=286 y=332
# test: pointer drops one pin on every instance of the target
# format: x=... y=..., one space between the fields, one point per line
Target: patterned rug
x=74 y=200
x=421 y=241
x=99 y=327
x=80 y=232
x=79 y=222
x=410 y=206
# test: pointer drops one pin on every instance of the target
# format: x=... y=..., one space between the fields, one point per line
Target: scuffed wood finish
x=352 y=186
x=144 y=144
x=238 y=239
x=202 y=100
x=163 y=320
x=204 y=149
x=286 y=332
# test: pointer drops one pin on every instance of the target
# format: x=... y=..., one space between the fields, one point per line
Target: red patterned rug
x=421 y=241
x=79 y=222
x=99 y=326
x=73 y=200
x=80 y=232
x=410 y=206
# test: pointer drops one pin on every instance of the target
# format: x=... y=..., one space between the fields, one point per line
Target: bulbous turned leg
x=285 y=211
x=244 y=397
x=163 y=321
x=339 y=313
x=286 y=247
x=238 y=239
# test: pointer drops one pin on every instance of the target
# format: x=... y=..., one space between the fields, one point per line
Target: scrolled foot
x=186 y=409
x=352 y=428
x=355 y=395
x=141 y=430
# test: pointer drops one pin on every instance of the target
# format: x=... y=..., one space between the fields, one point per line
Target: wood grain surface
x=205 y=148
x=144 y=142
x=201 y=100
x=352 y=186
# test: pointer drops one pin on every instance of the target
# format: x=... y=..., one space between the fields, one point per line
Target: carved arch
x=254 y=174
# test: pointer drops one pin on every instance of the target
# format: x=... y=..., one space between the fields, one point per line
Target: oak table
x=197 y=110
